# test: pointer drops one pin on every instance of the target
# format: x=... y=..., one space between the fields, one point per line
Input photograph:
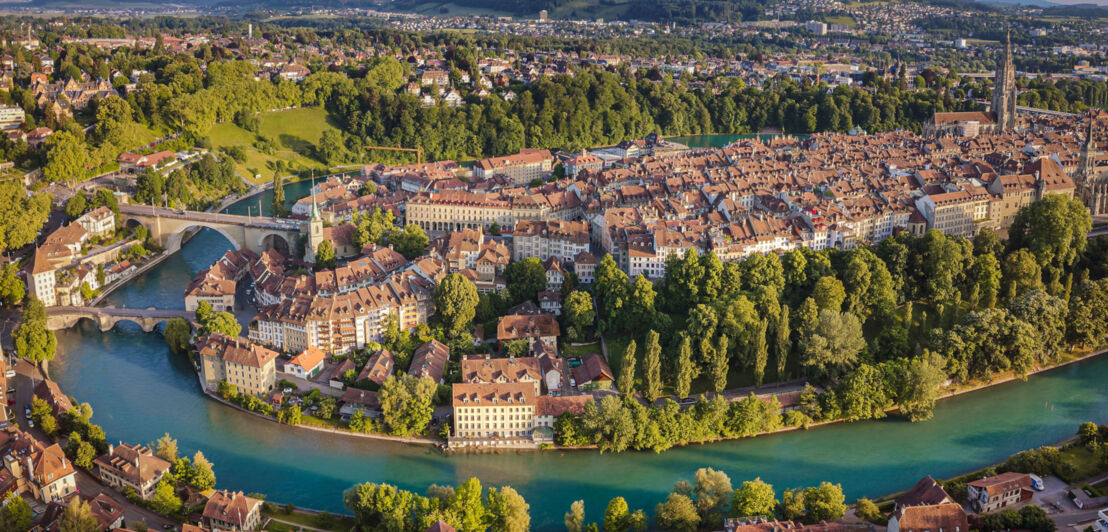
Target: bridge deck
x=282 y=224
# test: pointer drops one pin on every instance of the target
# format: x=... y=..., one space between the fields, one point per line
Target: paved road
x=26 y=378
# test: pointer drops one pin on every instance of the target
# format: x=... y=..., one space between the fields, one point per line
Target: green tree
x=575 y=517
x=712 y=491
x=579 y=312
x=753 y=498
x=526 y=278
x=824 y=503
x=278 y=207
x=406 y=404
x=15 y=514
x=411 y=242
x=325 y=255
x=76 y=206
x=652 y=368
x=626 y=380
x=833 y=345
x=12 y=290
x=611 y=285
x=639 y=311
x=677 y=513
x=684 y=370
x=508 y=511
x=468 y=506
x=782 y=343
x=166 y=448
x=32 y=340
x=829 y=293
x=792 y=504
x=203 y=478
x=865 y=509
x=66 y=158
x=165 y=499
x=617 y=516
x=1054 y=230
x=78 y=517
x=456 y=303
x=21 y=216
x=717 y=362
x=177 y=333
x=917 y=385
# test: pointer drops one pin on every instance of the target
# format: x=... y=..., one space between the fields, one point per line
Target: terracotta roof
x=230 y=507
x=236 y=350
x=926 y=492
x=593 y=368
x=1003 y=482
x=493 y=394
x=429 y=360
x=308 y=359
x=949 y=517
x=479 y=368
x=547 y=405
x=537 y=325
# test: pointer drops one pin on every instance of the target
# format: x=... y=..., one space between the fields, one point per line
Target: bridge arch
x=275 y=240
x=173 y=241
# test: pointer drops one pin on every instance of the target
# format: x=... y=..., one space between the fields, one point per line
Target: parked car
x=10 y=373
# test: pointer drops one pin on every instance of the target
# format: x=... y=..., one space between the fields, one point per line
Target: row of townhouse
x=457 y=209
x=339 y=322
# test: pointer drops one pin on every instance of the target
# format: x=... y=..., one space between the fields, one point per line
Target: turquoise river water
x=139 y=391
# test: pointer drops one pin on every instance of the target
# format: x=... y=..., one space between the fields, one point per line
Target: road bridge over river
x=107 y=317
x=257 y=233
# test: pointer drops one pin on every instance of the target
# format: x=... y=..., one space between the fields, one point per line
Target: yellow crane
x=418 y=151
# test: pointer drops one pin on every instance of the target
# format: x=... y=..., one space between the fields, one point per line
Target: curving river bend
x=139 y=391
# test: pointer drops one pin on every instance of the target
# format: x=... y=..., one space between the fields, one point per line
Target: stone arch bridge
x=107 y=317
x=168 y=226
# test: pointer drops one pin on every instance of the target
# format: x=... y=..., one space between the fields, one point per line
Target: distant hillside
x=1077 y=10
x=654 y=10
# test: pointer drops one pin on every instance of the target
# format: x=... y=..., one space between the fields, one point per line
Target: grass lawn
x=617 y=345
x=307 y=419
x=1084 y=462
x=295 y=131
x=579 y=350
x=845 y=20
x=336 y=524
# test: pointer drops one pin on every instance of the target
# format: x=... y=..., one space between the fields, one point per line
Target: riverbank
x=418 y=440
x=448 y=450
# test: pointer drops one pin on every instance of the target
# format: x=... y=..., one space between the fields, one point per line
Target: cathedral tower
x=1004 y=89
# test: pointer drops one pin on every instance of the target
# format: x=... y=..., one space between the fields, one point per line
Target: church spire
x=315 y=206
x=1090 y=144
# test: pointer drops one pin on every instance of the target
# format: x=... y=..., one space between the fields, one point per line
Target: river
x=139 y=390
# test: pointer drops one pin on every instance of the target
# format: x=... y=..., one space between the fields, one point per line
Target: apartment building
x=523 y=167
x=242 y=363
x=998 y=491
x=957 y=213
x=230 y=510
x=483 y=369
x=549 y=238
x=131 y=466
x=43 y=280
x=44 y=471
x=11 y=117
x=99 y=221
x=493 y=410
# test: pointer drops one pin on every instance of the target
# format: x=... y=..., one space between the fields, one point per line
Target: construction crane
x=418 y=151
